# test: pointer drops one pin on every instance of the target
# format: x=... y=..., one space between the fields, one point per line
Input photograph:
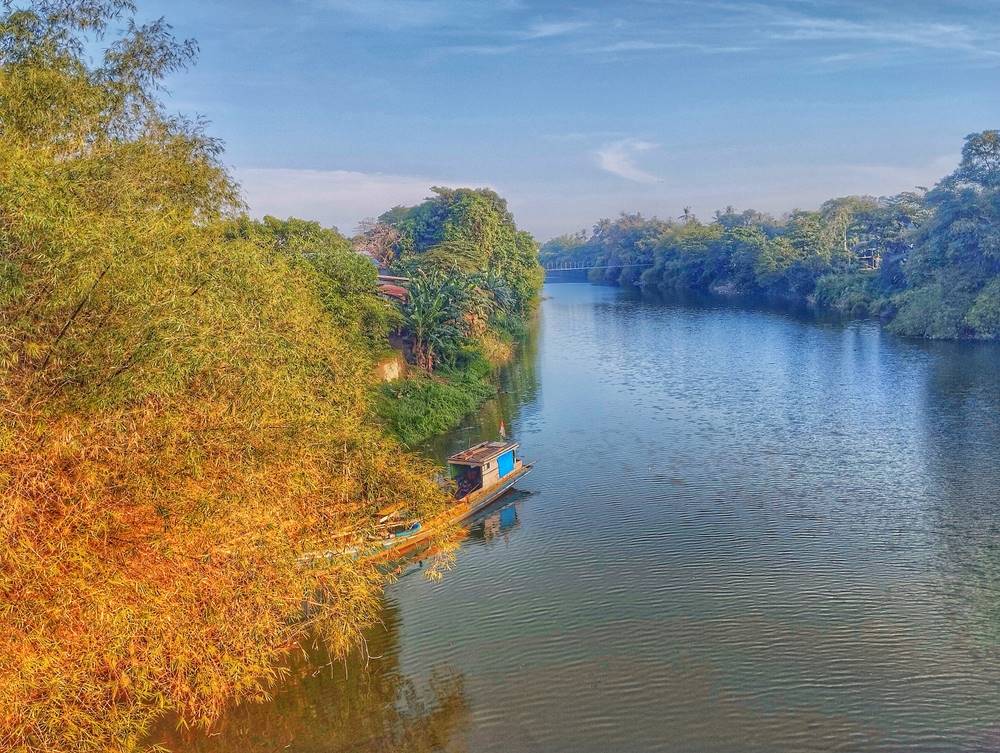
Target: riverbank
x=924 y=262
x=423 y=405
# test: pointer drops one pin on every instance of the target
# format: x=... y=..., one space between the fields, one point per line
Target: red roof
x=393 y=291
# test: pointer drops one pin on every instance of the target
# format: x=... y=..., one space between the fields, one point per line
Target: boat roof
x=481 y=453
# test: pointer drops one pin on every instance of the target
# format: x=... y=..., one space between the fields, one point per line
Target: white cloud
x=645 y=45
x=544 y=30
x=938 y=36
x=618 y=158
x=332 y=197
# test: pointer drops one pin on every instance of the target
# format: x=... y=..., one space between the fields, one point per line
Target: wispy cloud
x=835 y=27
x=618 y=158
x=645 y=45
x=477 y=49
x=874 y=25
x=547 y=29
x=412 y=14
x=933 y=35
x=333 y=197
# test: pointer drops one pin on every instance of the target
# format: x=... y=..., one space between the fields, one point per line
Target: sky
x=336 y=110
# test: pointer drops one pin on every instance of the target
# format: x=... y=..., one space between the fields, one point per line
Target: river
x=748 y=530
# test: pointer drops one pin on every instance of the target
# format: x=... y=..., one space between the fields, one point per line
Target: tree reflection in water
x=962 y=427
x=329 y=706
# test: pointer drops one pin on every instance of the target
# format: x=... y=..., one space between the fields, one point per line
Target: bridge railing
x=574 y=266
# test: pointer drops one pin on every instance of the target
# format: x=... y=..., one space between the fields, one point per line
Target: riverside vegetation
x=474 y=281
x=187 y=396
x=926 y=262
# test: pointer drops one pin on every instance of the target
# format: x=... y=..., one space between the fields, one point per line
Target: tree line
x=926 y=262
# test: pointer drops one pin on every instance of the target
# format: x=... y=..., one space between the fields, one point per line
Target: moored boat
x=482 y=474
x=395 y=526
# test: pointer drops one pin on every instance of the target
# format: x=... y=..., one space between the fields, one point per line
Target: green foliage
x=625 y=241
x=568 y=248
x=470 y=233
x=417 y=408
x=980 y=164
x=954 y=267
x=984 y=314
x=185 y=403
x=931 y=311
x=687 y=255
x=436 y=315
x=474 y=280
x=854 y=293
x=927 y=261
x=349 y=285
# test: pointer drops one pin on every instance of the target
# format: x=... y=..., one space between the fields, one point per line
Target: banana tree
x=436 y=315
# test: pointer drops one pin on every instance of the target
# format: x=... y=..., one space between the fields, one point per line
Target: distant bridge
x=575 y=266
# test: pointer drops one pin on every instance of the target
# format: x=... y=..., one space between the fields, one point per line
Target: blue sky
x=338 y=109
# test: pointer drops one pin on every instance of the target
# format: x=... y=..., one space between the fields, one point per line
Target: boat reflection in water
x=498 y=521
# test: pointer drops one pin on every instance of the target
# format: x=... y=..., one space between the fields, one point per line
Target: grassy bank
x=423 y=405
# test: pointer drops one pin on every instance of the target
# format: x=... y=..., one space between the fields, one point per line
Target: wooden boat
x=483 y=473
x=395 y=526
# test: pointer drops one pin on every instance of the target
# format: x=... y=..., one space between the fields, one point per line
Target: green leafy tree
x=470 y=233
x=436 y=315
x=952 y=271
x=184 y=403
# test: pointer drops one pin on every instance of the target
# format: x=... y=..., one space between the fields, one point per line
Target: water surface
x=747 y=531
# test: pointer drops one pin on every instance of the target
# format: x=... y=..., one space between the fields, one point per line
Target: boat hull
x=461 y=511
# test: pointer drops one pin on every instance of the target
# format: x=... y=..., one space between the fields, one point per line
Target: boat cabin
x=482 y=466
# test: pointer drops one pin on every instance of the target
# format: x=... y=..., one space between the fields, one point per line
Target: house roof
x=393 y=291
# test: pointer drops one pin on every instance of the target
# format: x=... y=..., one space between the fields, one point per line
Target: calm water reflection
x=747 y=531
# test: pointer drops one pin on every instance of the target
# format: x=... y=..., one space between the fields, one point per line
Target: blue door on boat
x=505 y=463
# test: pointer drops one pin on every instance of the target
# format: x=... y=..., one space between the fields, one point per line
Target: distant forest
x=926 y=262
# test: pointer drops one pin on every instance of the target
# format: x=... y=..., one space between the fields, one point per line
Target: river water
x=747 y=530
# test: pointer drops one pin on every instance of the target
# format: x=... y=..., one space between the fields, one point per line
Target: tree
x=955 y=261
x=568 y=249
x=436 y=315
x=182 y=412
x=471 y=233
x=980 y=161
